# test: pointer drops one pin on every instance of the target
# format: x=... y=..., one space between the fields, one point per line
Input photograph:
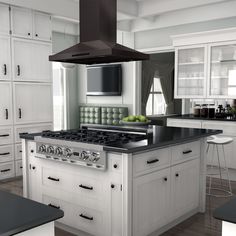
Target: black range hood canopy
x=98 y=20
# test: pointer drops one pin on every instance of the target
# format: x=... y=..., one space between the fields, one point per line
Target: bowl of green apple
x=132 y=120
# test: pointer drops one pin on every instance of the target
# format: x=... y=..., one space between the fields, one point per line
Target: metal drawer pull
x=51 y=205
x=85 y=187
x=18 y=70
x=152 y=161
x=5 y=69
x=86 y=217
x=53 y=179
x=6 y=110
x=6 y=170
x=20 y=151
x=4 y=135
x=187 y=152
x=20 y=113
x=21 y=167
x=4 y=154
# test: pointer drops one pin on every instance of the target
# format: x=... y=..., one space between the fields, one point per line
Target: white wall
x=162 y=37
x=127 y=98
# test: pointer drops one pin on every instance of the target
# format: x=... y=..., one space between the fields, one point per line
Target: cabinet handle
x=20 y=113
x=51 y=205
x=152 y=161
x=5 y=154
x=6 y=170
x=20 y=151
x=21 y=167
x=112 y=186
x=29 y=34
x=53 y=179
x=18 y=70
x=85 y=187
x=165 y=179
x=187 y=152
x=177 y=175
x=4 y=135
x=36 y=35
x=86 y=217
x=33 y=167
x=5 y=69
x=6 y=111
x=115 y=166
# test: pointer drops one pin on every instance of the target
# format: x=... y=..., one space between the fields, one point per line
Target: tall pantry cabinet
x=25 y=81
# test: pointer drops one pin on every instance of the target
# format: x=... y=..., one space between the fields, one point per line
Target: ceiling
x=140 y=15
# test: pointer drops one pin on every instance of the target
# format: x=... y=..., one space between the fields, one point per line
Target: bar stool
x=215 y=142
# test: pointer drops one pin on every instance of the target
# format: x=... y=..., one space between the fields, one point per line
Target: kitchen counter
x=162 y=136
x=18 y=214
x=190 y=116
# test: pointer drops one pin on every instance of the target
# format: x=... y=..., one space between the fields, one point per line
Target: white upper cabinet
x=190 y=77
x=21 y=22
x=5 y=61
x=33 y=103
x=42 y=26
x=6 y=103
x=34 y=64
x=222 y=83
x=31 y=24
x=4 y=19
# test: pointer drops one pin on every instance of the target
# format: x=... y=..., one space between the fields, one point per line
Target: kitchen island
x=143 y=186
x=23 y=217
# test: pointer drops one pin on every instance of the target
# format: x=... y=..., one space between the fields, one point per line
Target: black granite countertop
x=227 y=212
x=190 y=116
x=18 y=214
x=162 y=136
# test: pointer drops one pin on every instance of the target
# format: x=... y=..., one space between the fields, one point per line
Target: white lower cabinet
x=151 y=197
x=6 y=135
x=6 y=153
x=184 y=188
x=183 y=123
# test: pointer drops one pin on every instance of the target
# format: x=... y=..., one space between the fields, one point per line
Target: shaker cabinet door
x=5 y=61
x=42 y=26
x=6 y=103
x=4 y=19
x=21 y=22
x=30 y=61
x=33 y=103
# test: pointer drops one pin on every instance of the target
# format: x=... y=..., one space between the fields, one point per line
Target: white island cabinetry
x=136 y=195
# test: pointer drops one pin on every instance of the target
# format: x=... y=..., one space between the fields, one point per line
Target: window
x=156 y=104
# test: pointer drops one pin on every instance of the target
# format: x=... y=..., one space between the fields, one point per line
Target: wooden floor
x=198 y=225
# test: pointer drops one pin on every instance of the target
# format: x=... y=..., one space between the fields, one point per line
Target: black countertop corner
x=227 y=212
x=18 y=214
x=162 y=136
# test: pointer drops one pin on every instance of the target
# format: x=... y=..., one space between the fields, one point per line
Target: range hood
x=98 y=29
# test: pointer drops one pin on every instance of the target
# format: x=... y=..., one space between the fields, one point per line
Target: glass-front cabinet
x=190 y=76
x=222 y=81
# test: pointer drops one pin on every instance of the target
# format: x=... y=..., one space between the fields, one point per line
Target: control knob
x=58 y=151
x=50 y=150
x=85 y=155
x=95 y=157
x=68 y=152
x=42 y=148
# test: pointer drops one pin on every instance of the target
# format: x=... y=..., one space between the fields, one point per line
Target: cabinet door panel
x=185 y=188
x=21 y=20
x=42 y=26
x=33 y=103
x=5 y=65
x=4 y=19
x=151 y=202
x=6 y=103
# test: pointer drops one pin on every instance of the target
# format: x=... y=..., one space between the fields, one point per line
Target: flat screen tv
x=104 y=80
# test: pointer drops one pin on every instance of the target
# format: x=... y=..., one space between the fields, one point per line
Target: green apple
x=131 y=118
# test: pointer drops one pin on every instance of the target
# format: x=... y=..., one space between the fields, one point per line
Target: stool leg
x=211 y=163
x=227 y=170
x=218 y=156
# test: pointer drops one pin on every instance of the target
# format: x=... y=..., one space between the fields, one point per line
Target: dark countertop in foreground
x=190 y=116
x=227 y=212
x=162 y=136
x=18 y=214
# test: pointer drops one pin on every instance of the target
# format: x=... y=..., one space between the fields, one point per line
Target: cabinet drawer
x=6 y=136
x=151 y=161
x=18 y=152
x=30 y=129
x=19 y=168
x=6 y=153
x=7 y=170
x=84 y=186
x=184 y=123
x=185 y=152
x=229 y=128
x=86 y=219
